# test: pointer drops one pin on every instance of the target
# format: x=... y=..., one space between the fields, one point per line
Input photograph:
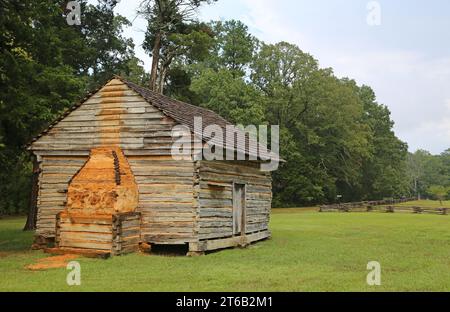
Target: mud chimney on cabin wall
x=105 y=185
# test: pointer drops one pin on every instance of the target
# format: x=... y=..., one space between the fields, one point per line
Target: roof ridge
x=182 y=112
x=133 y=86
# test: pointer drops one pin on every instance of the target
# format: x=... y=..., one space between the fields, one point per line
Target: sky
x=399 y=48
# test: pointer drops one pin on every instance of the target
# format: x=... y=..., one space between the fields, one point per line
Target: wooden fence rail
x=362 y=206
x=388 y=206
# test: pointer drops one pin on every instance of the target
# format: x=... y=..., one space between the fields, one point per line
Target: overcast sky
x=405 y=59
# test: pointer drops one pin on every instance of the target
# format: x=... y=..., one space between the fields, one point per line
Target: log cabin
x=108 y=183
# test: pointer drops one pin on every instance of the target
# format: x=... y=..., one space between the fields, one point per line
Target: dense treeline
x=46 y=65
x=335 y=137
x=430 y=174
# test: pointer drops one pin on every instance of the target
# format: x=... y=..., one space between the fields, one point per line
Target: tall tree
x=166 y=19
x=108 y=51
x=384 y=172
x=45 y=66
x=229 y=96
x=234 y=48
x=324 y=139
x=228 y=47
x=426 y=171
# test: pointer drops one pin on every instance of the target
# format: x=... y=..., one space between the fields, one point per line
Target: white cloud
x=413 y=84
x=414 y=87
x=265 y=18
x=137 y=30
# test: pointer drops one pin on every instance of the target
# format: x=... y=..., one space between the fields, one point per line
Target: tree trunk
x=30 y=225
x=163 y=73
x=155 y=63
x=162 y=78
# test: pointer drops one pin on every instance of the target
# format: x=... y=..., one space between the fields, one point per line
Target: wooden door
x=238 y=209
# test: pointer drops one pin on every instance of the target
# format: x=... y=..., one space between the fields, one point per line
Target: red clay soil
x=52 y=262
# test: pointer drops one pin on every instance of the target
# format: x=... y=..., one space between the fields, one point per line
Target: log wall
x=165 y=198
x=113 y=234
x=215 y=197
x=54 y=179
x=84 y=232
x=114 y=116
x=179 y=201
x=126 y=233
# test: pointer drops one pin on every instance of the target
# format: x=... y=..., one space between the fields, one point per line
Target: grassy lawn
x=427 y=204
x=309 y=251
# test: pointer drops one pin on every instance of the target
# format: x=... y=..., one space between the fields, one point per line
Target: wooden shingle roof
x=184 y=114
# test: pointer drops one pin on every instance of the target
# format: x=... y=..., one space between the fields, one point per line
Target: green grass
x=309 y=251
x=427 y=204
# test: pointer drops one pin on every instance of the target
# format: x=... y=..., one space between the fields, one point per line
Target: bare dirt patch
x=52 y=262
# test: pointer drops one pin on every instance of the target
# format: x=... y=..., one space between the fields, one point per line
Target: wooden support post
x=196 y=249
x=390 y=209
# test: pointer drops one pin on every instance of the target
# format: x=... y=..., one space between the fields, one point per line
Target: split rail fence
x=388 y=206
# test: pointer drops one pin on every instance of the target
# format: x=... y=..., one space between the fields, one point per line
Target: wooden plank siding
x=180 y=201
x=115 y=115
x=114 y=234
x=54 y=179
x=165 y=198
x=165 y=195
x=216 y=198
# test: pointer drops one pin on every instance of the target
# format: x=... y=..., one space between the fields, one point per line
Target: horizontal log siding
x=165 y=198
x=177 y=202
x=54 y=178
x=115 y=115
x=216 y=197
x=87 y=233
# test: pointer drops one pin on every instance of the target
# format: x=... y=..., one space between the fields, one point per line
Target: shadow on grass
x=12 y=237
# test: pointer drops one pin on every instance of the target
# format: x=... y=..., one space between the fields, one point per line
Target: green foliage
x=45 y=66
x=439 y=192
x=230 y=97
x=384 y=172
x=335 y=137
x=172 y=32
x=226 y=47
x=235 y=47
x=428 y=173
x=339 y=140
x=108 y=51
x=134 y=71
